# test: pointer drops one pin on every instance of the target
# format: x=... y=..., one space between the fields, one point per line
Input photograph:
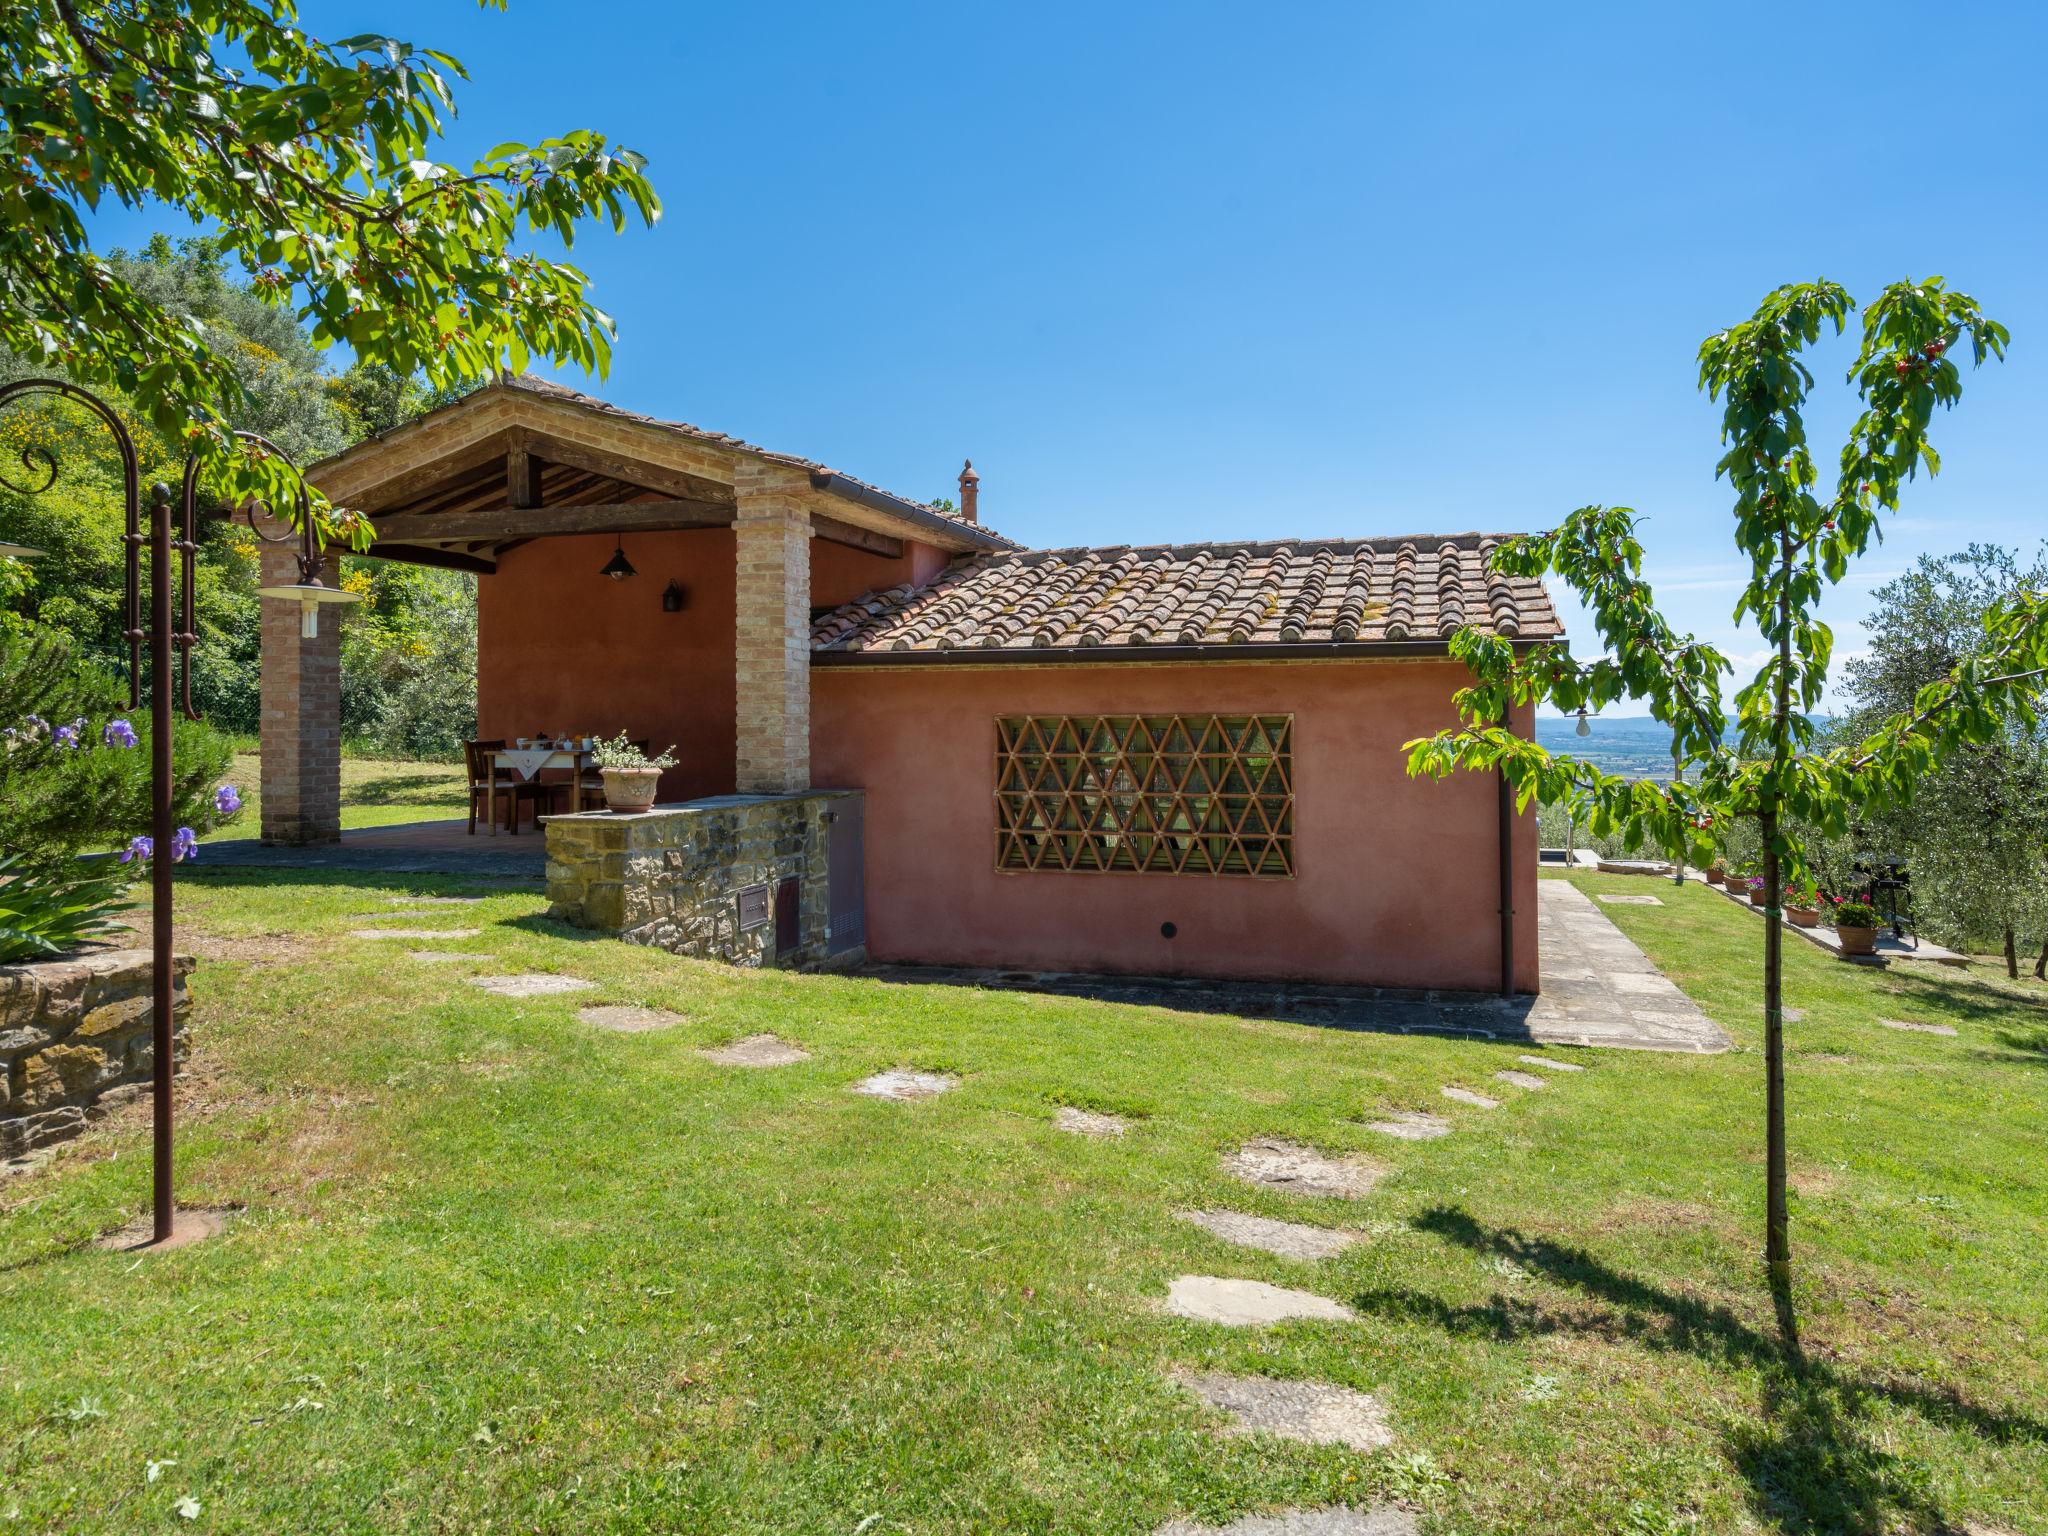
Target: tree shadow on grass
x=442 y=790
x=1812 y=1459
x=1972 y=1000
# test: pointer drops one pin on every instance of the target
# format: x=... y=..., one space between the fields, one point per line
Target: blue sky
x=1177 y=272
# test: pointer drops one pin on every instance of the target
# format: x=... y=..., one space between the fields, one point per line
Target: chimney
x=970 y=492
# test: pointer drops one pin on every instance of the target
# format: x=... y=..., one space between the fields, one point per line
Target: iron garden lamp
x=170 y=637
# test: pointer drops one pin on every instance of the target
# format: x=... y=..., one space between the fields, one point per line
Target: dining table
x=523 y=764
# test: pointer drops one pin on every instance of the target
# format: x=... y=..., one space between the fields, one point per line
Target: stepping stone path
x=626 y=1019
x=1411 y=1125
x=1545 y=1061
x=442 y=956
x=901 y=1083
x=1088 y=1122
x=1467 y=1096
x=433 y=901
x=1302 y=1170
x=1917 y=1028
x=535 y=984
x=1633 y=901
x=762 y=1050
x=1338 y=1520
x=1296 y=1410
x=1248 y=1303
x=1289 y=1239
x=1521 y=1079
x=415 y=933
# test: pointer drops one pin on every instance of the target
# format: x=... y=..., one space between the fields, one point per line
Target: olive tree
x=1797 y=540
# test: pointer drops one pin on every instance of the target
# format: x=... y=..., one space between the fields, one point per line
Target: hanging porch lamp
x=309 y=591
x=618 y=567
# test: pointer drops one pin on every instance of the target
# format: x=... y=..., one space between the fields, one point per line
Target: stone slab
x=1337 y=1520
x=1248 y=1303
x=533 y=984
x=1315 y=1411
x=1467 y=1096
x=1549 y=1063
x=901 y=1083
x=443 y=956
x=1632 y=901
x=628 y=1018
x=1288 y=1239
x=433 y=901
x=1917 y=1028
x=1411 y=1125
x=414 y=934
x=1299 y=1170
x=763 y=1050
x=1088 y=1122
x=1521 y=1079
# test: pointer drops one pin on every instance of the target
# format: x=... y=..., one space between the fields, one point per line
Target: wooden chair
x=475 y=756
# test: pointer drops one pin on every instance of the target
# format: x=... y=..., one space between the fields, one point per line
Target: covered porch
x=536 y=490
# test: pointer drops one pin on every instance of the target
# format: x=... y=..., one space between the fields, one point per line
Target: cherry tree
x=1798 y=541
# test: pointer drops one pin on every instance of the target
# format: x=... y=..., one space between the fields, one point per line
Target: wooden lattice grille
x=1154 y=794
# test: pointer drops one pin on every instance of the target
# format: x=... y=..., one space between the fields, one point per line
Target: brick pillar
x=301 y=727
x=772 y=632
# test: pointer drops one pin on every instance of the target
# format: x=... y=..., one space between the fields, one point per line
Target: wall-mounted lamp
x=618 y=567
x=672 y=597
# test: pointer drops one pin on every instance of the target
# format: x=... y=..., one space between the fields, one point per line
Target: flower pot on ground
x=631 y=777
x=1756 y=893
x=1802 y=917
x=1717 y=875
x=1856 y=927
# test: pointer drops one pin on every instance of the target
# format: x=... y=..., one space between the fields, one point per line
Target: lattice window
x=1155 y=794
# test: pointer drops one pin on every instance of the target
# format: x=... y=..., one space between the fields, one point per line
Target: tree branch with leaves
x=1798 y=543
x=311 y=159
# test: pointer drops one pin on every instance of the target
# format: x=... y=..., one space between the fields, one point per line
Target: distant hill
x=1636 y=747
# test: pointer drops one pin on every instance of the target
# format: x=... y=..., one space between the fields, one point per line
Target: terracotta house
x=1162 y=760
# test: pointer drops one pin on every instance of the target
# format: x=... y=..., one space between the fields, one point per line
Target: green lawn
x=374 y=793
x=500 y=1271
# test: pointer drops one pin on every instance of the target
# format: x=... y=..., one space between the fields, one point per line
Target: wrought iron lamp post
x=170 y=651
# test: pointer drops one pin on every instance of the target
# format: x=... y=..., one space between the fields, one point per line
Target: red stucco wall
x=840 y=574
x=563 y=649
x=1397 y=880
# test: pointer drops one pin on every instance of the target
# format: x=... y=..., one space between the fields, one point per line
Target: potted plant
x=1757 y=898
x=1717 y=873
x=1802 y=905
x=1856 y=927
x=630 y=775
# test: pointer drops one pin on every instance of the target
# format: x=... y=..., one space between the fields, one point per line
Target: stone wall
x=673 y=877
x=74 y=1038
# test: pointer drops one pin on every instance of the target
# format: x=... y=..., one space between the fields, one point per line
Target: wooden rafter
x=505 y=523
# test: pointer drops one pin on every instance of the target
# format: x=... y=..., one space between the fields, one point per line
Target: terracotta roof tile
x=1306 y=592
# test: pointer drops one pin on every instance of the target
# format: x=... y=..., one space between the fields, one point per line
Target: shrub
x=74 y=762
x=1855 y=914
x=44 y=914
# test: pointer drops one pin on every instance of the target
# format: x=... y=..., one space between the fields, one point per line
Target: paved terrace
x=404 y=848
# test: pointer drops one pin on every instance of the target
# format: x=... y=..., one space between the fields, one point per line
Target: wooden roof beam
x=538 y=522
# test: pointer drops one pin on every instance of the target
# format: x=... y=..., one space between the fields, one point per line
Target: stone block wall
x=672 y=878
x=74 y=1038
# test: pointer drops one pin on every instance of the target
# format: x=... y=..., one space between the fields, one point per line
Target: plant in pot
x=1856 y=927
x=630 y=775
x=1755 y=884
x=1717 y=873
x=1802 y=905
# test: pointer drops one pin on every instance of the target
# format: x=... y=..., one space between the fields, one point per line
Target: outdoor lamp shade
x=618 y=567
x=672 y=598
x=1585 y=725
x=309 y=595
x=18 y=551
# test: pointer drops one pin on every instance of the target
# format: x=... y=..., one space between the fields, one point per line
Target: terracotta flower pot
x=1717 y=876
x=1857 y=941
x=1758 y=899
x=629 y=790
x=1803 y=917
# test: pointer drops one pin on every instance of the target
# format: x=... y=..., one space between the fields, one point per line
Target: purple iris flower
x=184 y=844
x=118 y=733
x=138 y=849
x=65 y=736
x=227 y=800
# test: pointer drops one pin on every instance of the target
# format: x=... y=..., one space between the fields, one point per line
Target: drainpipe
x=1507 y=879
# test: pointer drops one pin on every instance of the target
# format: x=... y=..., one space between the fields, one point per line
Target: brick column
x=301 y=727
x=772 y=630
